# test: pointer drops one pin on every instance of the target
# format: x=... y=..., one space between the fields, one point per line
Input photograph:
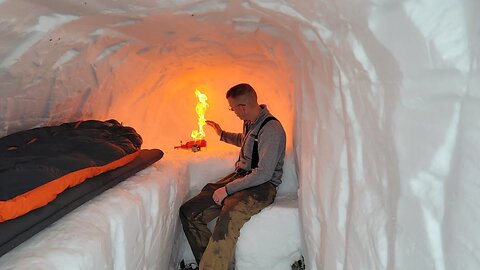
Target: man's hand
x=216 y=126
x=219 y=195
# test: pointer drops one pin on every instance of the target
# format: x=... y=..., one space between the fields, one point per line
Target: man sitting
x=238 y=196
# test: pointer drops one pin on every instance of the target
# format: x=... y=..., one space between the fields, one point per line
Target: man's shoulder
x=274 y=125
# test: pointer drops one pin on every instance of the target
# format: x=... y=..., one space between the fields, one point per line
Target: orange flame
x=201 y=107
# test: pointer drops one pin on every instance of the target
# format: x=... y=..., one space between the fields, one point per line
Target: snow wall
x=380 y=100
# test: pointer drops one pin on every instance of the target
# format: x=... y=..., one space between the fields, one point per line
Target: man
x=243 y=193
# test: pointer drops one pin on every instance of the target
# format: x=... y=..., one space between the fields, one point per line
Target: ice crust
x=380 y=101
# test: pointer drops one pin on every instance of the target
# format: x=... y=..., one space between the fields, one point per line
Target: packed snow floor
x=135 y=224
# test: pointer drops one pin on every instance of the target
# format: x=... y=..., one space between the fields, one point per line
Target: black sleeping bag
x=31 y=158
x=73 y=161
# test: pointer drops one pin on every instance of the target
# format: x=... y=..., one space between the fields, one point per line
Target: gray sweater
x=271 y=151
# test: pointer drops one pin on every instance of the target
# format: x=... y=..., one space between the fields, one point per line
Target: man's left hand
x=219 y=195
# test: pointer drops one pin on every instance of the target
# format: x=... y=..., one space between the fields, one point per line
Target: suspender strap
x=255 y=143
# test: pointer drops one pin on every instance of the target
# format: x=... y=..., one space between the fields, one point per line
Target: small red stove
x=195 y=146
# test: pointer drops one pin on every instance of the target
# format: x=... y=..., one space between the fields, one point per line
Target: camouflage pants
x=214 y=251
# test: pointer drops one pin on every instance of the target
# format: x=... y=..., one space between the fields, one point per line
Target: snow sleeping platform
x=135 y=224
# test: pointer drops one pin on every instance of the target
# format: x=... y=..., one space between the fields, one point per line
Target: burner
x=195 y=146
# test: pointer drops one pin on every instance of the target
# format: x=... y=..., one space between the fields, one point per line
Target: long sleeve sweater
x=271 y=152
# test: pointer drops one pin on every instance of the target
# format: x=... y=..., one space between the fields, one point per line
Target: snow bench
x=130 y=226
x=135 y=224
x=269 y=240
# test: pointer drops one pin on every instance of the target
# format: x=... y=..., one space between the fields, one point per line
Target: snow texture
x=379 y=99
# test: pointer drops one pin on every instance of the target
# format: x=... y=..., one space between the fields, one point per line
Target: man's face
x=239 y=107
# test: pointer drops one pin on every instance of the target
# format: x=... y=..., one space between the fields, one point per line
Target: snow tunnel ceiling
x=69 y=60
x=140 y=63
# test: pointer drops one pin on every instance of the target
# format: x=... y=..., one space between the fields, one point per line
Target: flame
x=201 y=107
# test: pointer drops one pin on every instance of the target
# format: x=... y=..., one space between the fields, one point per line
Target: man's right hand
x=216 y=126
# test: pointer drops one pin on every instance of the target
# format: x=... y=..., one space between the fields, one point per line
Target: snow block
x=271 y=239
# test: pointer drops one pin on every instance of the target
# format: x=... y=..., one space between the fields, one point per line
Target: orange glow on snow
x=200 y=108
